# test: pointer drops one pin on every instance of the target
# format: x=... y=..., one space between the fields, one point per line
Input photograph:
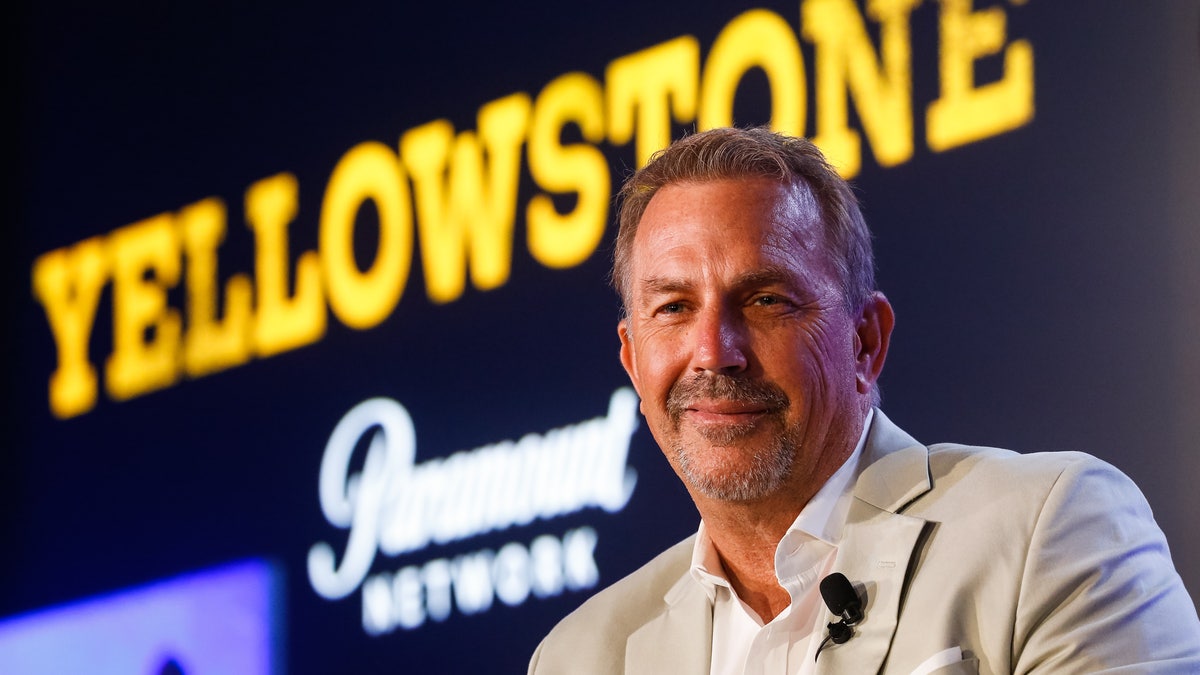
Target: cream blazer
x=972 y=559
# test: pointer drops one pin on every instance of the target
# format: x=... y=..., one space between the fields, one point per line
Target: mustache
x=723 y=388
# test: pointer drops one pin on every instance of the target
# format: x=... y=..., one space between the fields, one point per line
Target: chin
x=745 y=478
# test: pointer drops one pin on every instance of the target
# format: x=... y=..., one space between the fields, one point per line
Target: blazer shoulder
x=1018 y=492
x=1038 y=471
x=596 y=632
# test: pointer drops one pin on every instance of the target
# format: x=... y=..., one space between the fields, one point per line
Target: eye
x=772 y=303
x=671 y=308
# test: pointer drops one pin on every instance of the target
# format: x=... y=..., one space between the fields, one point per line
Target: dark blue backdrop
x=1044 y=281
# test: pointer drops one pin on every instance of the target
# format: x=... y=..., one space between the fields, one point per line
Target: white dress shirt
x=742 y=644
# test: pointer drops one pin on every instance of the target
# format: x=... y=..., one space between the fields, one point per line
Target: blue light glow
x=217 y=621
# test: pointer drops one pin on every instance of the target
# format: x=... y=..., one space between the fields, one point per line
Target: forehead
x=725 y=222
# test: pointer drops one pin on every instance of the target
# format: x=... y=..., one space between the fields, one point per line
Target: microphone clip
x=840 y=632
x=843 y=601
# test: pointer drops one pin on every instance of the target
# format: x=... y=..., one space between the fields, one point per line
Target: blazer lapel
x=878 y=543
x=677 y=641
x=874 y=556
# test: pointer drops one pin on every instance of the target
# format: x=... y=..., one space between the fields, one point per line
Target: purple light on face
x=224 y=620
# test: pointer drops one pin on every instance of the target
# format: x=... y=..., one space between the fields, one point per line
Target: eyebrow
x=664 y=285
x=766 y=276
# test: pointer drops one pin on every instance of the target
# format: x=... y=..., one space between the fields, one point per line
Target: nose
x=718 y=342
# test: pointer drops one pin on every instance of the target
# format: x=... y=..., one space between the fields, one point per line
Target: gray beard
x=768 y=469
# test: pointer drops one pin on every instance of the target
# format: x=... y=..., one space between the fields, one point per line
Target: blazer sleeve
x=1099 y=592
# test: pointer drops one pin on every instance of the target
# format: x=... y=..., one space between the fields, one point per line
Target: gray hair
x=759 y=153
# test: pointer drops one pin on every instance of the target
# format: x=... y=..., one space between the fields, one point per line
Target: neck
x=745 y=537
x=747 y=533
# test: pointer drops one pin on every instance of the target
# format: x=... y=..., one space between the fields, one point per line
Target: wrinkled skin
x=754 y=377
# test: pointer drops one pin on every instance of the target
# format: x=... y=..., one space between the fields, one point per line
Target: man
x=754 y=336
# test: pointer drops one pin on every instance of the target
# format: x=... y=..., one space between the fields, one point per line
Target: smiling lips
x=716 y=400
x=725 y=411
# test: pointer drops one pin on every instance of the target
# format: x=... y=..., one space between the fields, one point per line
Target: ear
x=627 y=359
x=872 y=337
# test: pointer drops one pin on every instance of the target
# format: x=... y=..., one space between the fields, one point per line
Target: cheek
x=815 y=358
x=833 y=360
x=656 y=382
x=658 y=368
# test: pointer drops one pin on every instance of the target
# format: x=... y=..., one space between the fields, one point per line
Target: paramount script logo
x=394 y=506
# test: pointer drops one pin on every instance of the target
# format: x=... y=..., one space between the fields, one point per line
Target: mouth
x=723 y=404
x=725 y=412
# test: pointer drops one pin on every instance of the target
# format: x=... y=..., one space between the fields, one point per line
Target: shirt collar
x=825 y=514
x=822 y=518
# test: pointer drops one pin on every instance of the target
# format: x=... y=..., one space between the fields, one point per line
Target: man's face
x=738 y=340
